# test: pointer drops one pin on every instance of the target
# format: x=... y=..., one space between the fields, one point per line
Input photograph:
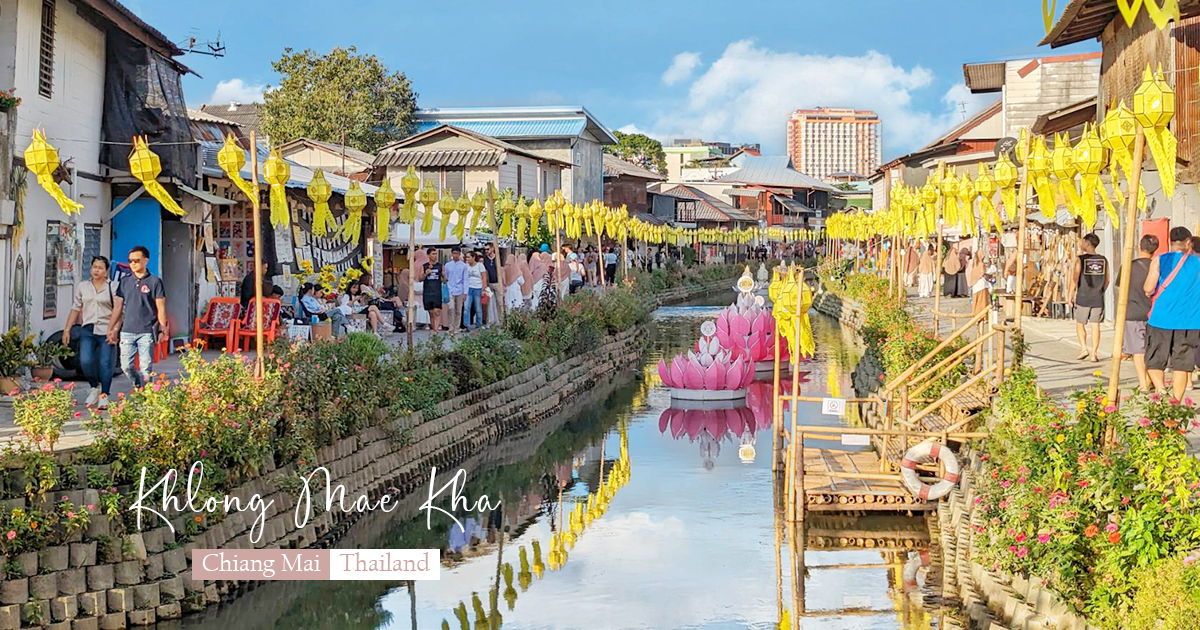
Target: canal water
x=692 y=536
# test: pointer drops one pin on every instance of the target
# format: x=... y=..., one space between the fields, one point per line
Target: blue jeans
x=143 y=343
x=473 y=310
x=96 y=359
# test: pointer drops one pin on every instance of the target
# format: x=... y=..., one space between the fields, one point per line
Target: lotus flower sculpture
x=747 y=329
x=708 y=367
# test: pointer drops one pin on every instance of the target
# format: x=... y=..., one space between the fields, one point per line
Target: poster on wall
x=50 y=288
x=68 y=254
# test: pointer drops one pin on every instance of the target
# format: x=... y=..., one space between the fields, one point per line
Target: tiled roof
x=403 y=153
x=202 y=116
x=773 y=171
x=710 y=208
x=616 y=167
x=247 y=115
x=351 y=153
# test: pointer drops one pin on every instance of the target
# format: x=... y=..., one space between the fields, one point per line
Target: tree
x=339 y=95
x=640 y=149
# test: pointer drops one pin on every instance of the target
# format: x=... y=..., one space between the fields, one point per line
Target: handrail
x=932 y=353
x=962 y=352
x=951 y=394
x=953 y=315
x=957 y=353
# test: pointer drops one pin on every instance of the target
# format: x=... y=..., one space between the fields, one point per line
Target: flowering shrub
x=1059 y=505
x=42 y=412
x=1169 y=597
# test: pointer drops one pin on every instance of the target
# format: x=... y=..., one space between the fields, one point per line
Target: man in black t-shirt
x=139 y=317
x=431 y=289
x=1089 y=282
x=1138 y=311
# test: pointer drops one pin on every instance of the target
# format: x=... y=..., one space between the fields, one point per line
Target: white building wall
x=71 y=119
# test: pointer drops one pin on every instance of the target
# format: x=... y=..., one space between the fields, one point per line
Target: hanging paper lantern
x=1090 y=159
x=1006 y=176
x=478 y=203
x=535 y=218
x=1038 y=171
x=385 y=198
x=145 y=167
x=231 y=158
x=42 y=160
x=429 y=197
x=505 y=209
x=1062 y=167
x=1117 y=134
x=446 y=207
x=463 y=208
x=355 y=200
x=966 y=198
x=1154 y=107
x=277 y=172
x=409 y=185
x=319 y=191
x=986 y=186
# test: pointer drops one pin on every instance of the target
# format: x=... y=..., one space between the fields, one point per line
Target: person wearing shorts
x=1173 y=327
x=1087 y=296
x=431 y=276
x=1133 y=343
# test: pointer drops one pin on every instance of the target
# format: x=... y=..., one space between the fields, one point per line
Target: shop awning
x=207 y=197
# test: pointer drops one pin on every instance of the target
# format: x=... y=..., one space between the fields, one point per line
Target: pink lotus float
x=747 y=328
x=709 y=372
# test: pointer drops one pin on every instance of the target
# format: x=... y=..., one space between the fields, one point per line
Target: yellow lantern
x=535 y=216
x=319 y=191
x=355 y=200
x=1154 y=108
x=447 y=206
x=42 y=160
x=385 y=198
x=986 y=186
x=463 y=208
x=1038 y=169
x=1006 y=182
x=1090 y=159
x=429 y=197
x=409 y=185
x=477 y=205
x=276 y=172
x=505 y=207
x=522 y=220
x=145 y=167
x=231 y=158
x=1062 y=167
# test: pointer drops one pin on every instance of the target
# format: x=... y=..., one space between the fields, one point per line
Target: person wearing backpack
x=1173 y=326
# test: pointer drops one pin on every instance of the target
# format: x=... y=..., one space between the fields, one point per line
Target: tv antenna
x=212 y=47
x=962 y=109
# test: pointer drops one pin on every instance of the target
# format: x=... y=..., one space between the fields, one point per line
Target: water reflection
x=581 y=542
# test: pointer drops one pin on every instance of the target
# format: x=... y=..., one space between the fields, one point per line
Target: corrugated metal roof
x=710 y=208
x=1086 y=19
x=616 y=167
x=300 y=176
x=773 y=171
x=984 y=77
x=532 y=128
x=792 y=204
x=425 y=158
x=357 y=155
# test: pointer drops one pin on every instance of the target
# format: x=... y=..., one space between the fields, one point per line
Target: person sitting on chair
x=313 y=306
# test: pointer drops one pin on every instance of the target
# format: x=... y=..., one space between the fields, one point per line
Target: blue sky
x=725 y=71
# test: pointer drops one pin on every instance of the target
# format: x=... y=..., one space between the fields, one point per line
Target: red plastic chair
x=245 y=326
x=219 y=321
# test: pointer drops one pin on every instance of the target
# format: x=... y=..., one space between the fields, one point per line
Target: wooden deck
x=828 y=493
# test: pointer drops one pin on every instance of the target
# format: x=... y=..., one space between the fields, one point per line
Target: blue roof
x=536 y=128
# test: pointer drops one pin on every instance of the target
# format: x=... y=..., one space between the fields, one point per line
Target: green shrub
x=1168 y=597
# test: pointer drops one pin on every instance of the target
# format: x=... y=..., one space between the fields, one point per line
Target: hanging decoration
x=385 y=198
x=504 y=208
x=1161 y=15
x=986 y=185
x=1154 y=107
x=231 y=158
x=522 y=212
x=319 y=191
x=409 y=185
x=535 y=218
x=463 y=207
x=1062 y=168
x=967 y=192
x=478 y=203
x=276 y=172
x=355 y=200
x=145 y=167
x=1006 y=176
x=42 y=160
x=1090 y=160
x=446 y=207
x=1037 y=170
x=1049 y=9
x=429 y=198
x=1117 y=134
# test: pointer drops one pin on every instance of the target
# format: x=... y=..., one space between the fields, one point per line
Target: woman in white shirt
x=476 y=280
x=578 y=273
x=92 y=308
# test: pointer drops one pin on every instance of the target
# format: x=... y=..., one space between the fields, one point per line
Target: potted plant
x=44 y=355
x=15 y=352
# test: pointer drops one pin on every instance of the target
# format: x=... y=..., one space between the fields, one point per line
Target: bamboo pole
x=1135 y=182
x=256 y=208
x=796 y=439
x=491 y=210
x=937 y=273
x=600 y=259
x=412 y=279
x=776 y=409
x=1022 y=206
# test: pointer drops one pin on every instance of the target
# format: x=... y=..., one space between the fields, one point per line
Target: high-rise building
x=831 y=140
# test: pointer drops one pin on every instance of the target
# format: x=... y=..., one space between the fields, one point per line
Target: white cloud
x=232 y=90
x=681 y=67
x=747 y=95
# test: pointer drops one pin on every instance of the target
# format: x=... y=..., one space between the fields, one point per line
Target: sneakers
x=102 y=402
x=92 y=396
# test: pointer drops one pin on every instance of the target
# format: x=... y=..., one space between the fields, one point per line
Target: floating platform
x=707 y=394
x=824 y=492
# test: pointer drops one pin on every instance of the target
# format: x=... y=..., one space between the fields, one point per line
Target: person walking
x=925 y=270
x=1090 y=281
x=1138 y=310
x=456 y=282
x=952 y=267
x=92 y=310
x=431 y=290
x=477 y=279
x=139 y=316
x=1173 y=326
x=610 y=265
x=578 y=273
x=491 y=262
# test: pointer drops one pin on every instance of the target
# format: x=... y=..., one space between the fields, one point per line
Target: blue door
x=140 y=223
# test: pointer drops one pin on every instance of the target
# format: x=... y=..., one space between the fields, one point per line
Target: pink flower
x=1021 y=479
x=204 y=453
x=1110 y=409
x=1020 y=537
x=1111 y=527
x=72 y=514
x=10 y=535
x=1124 y=500
x=1188 y=401
x=1006 y=483
x=1022 y=552
x=1155 y=397
x=91 y=507
x=1145 y=422
x=1083 y=483
x=1043 y=538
